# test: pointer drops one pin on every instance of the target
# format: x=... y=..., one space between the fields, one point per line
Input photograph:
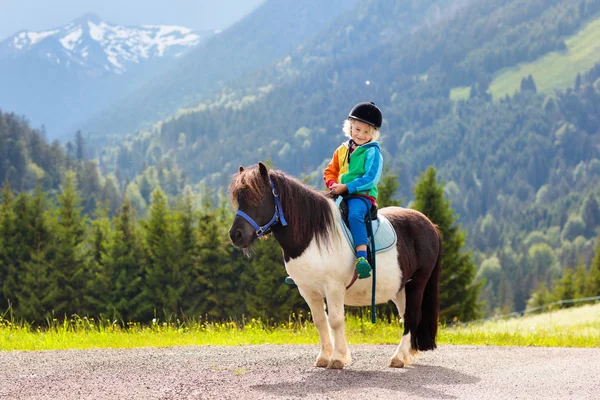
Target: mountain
x=272 y=31
x=98 y=48
x=522 y=170
x=57 y=76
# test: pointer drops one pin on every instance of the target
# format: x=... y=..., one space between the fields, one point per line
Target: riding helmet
x=368 y=113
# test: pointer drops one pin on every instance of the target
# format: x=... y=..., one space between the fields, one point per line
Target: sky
x=38 y=15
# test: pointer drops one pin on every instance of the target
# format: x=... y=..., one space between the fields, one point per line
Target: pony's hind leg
x=404 y=352
x=317 y=309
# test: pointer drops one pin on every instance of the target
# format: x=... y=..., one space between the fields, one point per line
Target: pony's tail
x=430 y=308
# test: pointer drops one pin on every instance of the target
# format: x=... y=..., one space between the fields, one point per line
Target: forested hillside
x=26 y=156
x=56 y=261
x=521 y=171
x=273 y=30
x=28 y=161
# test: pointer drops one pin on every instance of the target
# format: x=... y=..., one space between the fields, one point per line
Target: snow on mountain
x=96 y=45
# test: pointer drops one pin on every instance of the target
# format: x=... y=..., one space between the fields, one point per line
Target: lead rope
x=370 y=232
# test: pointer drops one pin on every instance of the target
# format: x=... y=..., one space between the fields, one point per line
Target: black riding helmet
x=368 y=113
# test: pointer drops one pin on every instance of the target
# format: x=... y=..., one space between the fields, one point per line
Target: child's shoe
x=289 y=281
x=363 y=268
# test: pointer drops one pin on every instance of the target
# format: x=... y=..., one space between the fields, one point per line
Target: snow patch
x=97 y=31
x=25 y=39
x=120 y=45
x=70 y=40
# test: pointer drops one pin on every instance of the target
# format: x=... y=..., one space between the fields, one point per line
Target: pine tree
x=458 y=292
x=590 y=213
x=580 y=278
x=68 y=275
x=265 y=294
x=528 y=84
x=98 y=277
x=125 y=268
x=79 y=147
x=388 y=186
x=217 y=268
x=35 y=278
x=187 y=245
x=593 y=282
x=565 y=287
x=532 y=85
x=21 y=244
x=164 y=285
x=7 y=248
x=505 y=296
x=88 y=182
x=512 y=268
x=111 y=196
x=540 y=297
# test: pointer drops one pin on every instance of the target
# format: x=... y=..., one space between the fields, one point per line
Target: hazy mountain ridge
x=100 y=47
x=268 y=34
x=296 y=121
x=60 y=76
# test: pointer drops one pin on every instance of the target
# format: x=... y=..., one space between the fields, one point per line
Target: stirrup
x=289 y=281
x=363 y=268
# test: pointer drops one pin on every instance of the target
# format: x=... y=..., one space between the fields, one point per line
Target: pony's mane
x=306 y=210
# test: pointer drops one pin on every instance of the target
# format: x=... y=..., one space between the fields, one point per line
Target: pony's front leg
x=317 y=309
x=335 y=307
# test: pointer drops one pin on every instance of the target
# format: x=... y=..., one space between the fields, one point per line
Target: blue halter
x=277 y=217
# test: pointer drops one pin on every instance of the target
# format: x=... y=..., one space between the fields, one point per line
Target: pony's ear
x=262 y=168
x=241 y=169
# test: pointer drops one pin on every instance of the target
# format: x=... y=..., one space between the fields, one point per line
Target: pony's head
x=252 y=195
x=262 y=196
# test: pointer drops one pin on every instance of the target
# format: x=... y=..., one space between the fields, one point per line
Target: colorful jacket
x=360 y=171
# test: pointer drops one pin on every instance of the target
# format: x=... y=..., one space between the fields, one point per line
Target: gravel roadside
x=277 y=371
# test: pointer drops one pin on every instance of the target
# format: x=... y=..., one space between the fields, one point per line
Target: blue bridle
x=277 y=217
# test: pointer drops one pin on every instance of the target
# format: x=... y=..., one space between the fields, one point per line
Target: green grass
x=556 y=70
x=460 y=93
x=572 y=327
x=575 y=327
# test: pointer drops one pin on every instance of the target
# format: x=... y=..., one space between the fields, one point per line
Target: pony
x=306 y=224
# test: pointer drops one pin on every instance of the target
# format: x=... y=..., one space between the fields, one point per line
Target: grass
x=556 y=70
x=571 y=327
x=574 y=327
x=460 y=93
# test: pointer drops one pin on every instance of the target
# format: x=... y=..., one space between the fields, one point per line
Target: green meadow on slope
x=556 y=70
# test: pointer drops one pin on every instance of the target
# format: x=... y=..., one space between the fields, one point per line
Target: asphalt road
x=275 y=372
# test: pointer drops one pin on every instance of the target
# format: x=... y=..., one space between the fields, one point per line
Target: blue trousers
x=357 y=211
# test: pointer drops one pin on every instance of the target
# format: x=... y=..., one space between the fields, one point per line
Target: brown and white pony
x=306 y=223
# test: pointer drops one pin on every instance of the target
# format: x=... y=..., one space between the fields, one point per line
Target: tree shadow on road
x=418 y=380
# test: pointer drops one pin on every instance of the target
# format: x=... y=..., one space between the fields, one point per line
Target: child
x=355 y=169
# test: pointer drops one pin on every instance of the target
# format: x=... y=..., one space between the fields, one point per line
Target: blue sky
x=39 y=15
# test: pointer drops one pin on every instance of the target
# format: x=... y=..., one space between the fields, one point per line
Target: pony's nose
x=235 y=235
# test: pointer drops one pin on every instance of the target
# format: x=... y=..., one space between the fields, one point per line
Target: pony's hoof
x=336 y=364
x=322 y=363
x=396 y=363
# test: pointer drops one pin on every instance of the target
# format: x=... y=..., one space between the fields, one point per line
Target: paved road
x=274 y=372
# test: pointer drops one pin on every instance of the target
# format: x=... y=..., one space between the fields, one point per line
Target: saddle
x=383 y=232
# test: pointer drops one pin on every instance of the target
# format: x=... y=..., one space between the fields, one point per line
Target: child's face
x=361 y=132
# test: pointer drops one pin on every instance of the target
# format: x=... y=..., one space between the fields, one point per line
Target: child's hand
x=338 y=188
